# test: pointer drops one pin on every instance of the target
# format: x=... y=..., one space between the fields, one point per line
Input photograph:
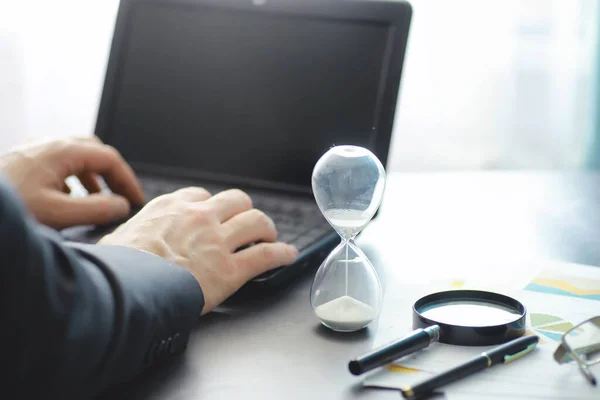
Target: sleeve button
x=160 y=349
x=175 y=344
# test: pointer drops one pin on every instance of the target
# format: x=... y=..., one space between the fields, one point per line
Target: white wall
x=497 y=84
x=487 y=84
x=52 y=62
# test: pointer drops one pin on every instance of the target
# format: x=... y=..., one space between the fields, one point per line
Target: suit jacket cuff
x=157 y=303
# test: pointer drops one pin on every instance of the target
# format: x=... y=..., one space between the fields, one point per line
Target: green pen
x=500 y=355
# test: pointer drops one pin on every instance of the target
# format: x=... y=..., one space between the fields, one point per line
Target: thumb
x=94 y=209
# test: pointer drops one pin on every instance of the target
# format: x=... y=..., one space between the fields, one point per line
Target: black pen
x=500 y=355
x=414 y=341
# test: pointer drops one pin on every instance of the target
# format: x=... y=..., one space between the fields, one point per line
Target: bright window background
x=487 y=84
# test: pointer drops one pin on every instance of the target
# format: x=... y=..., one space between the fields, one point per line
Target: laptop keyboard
x=298 y=222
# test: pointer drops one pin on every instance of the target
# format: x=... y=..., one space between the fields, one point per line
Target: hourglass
x=348 y=184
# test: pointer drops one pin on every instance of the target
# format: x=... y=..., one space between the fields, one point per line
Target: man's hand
x=38 y=171
x=201 y=233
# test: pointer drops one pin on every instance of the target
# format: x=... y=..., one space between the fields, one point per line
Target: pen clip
x=519 y=354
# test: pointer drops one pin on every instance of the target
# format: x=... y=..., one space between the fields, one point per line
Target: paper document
x=572 y=280
x=535 y=376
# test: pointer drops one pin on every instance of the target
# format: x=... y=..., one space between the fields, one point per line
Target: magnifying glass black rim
x=472 y=335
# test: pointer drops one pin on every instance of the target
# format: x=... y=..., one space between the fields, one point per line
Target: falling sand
x=345 y=314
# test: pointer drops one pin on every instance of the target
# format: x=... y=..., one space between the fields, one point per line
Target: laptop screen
x=245 y=95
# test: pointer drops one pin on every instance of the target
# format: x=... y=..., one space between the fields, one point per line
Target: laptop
x=249 y=94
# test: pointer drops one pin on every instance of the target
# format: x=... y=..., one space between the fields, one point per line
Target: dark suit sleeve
x=77 y=319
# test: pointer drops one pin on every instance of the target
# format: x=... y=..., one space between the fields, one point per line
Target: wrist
x=9 y=166
x=4 y=162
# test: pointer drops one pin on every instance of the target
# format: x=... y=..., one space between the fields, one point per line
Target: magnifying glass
x=457 y=317
x=471 y=317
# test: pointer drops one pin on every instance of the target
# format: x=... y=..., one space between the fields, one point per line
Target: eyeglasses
x=582 y=345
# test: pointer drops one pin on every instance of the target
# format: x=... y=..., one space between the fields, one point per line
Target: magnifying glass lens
x=471 y=313
x=471 y=317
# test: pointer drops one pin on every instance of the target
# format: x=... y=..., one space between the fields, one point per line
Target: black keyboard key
x=317 y=233
x=295 y=220
x=323 y=229
x=302 y=242
x=312 y=236
x=288 y=228
x=287 y=237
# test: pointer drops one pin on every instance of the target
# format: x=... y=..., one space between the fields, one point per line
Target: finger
x=96 y=209
x=90 y=182
x=192 y=194
x=93 y=157
x=93 y=139
x=249 y=227
x=265 y=256
x=229 y=203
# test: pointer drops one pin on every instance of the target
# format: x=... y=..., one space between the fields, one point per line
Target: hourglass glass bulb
x=348 y=184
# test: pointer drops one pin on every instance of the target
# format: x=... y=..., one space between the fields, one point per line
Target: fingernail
x=120 y=206
x=294 y=250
